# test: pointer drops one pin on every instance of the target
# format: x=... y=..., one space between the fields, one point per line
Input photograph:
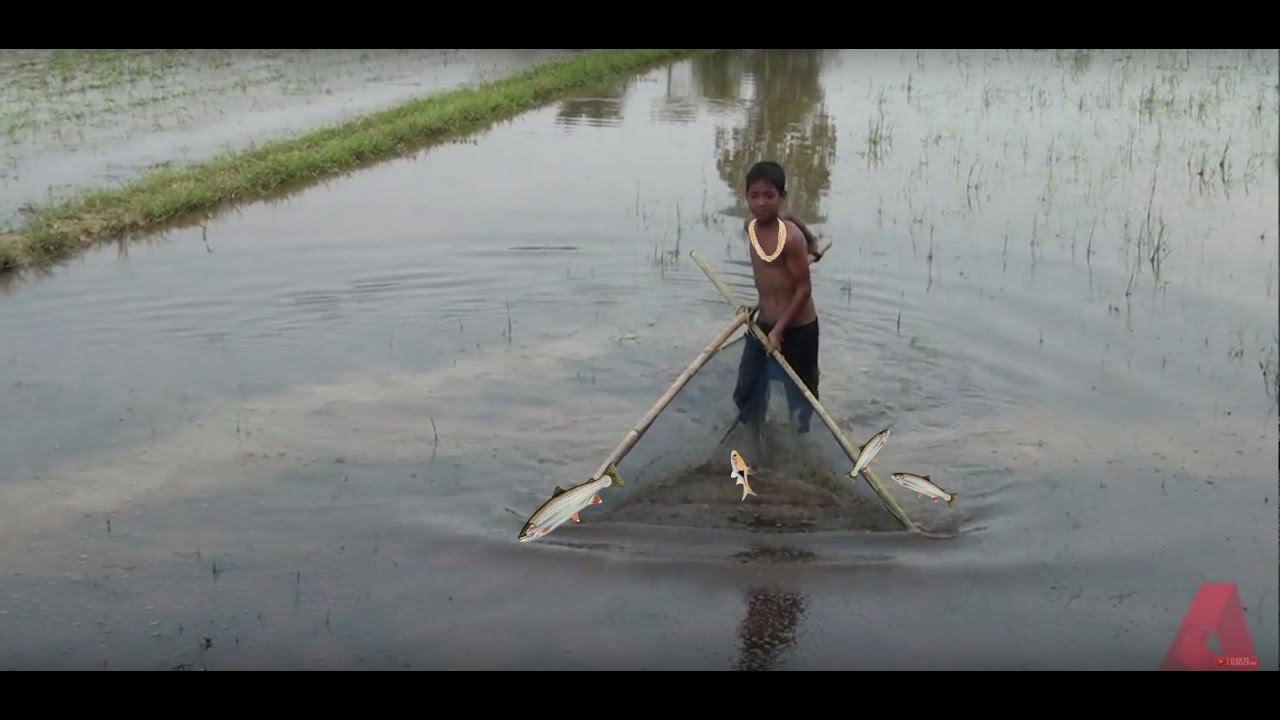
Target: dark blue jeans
x=800 y=348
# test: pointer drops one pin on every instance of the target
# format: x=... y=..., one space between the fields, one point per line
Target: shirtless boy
x=780 y=247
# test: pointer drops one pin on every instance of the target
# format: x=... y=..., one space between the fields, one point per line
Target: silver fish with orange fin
x=740 y=472
x=923 y=486
x=564 y=505
x=869 y=452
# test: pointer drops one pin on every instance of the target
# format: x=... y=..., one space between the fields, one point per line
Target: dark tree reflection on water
x=780 y=92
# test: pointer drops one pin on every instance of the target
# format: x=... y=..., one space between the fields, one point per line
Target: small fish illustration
x=740 y=472
x=869 y=452
x=923 y=486
x=564 y=505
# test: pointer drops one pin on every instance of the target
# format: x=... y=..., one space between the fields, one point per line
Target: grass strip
x=170 y=194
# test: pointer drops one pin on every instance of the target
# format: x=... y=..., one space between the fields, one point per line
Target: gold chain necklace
x=782 y=240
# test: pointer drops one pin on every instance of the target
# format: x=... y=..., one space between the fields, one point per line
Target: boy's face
x=764 y=200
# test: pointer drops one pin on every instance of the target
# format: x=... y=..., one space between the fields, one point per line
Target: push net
x=678 y=473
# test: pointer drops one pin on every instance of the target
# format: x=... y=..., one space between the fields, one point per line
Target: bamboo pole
x=683 y=379
x=872 y=479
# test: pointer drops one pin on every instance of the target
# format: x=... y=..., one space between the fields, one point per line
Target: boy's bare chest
x=770 y=275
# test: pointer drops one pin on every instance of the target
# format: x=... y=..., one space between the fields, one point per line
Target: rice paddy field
x=306 y=432
x=76 y=120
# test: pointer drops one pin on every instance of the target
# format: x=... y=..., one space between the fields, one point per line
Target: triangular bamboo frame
x=713 y=347
x=873 y=479
x=634 y=435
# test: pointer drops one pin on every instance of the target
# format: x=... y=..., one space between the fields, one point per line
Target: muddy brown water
x=295 y=445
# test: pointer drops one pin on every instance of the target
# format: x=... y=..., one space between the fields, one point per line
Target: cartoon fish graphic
x=869 y=452
x=740 y=472
x=923 y=486
x=564 y=505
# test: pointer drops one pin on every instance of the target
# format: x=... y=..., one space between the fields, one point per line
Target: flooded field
x=297 y=438
x=77 y=119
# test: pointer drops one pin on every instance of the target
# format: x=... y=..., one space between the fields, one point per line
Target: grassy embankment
x=171 y=194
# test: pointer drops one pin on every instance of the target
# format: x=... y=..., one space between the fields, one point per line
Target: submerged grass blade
x=172 y=193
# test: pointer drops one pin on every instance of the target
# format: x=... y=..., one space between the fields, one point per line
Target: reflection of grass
x=1269 y=364
x=170 y=194
x=879 y=138
x=1163 y=179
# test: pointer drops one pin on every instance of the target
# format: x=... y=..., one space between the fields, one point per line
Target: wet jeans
x=756 y=369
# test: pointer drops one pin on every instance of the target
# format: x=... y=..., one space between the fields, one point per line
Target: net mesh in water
x=678 y=473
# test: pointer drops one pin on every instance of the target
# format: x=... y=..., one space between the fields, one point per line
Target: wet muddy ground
x=292 y=442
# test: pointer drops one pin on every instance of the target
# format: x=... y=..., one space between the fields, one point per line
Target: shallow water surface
x=308 y=436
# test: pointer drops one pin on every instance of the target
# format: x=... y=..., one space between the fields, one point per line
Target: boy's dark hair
x=771 y=172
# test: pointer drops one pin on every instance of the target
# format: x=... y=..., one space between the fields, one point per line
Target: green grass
x=172 y=194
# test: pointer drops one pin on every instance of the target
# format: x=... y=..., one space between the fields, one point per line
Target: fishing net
x=678 y=473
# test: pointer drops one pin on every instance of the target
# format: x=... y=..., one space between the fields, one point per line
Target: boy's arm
x=798 y=266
